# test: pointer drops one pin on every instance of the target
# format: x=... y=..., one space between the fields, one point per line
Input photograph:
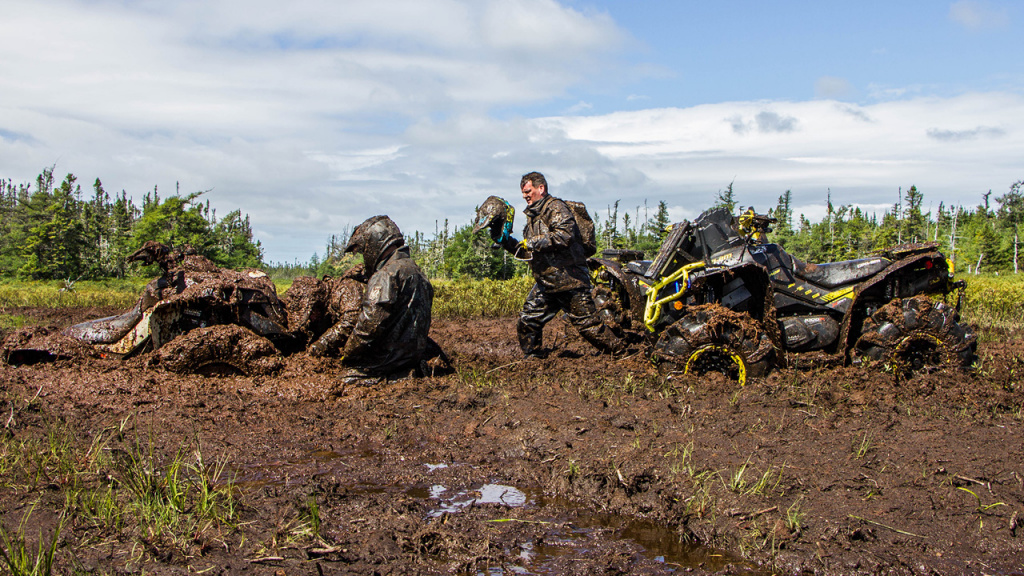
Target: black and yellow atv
x=719 y=297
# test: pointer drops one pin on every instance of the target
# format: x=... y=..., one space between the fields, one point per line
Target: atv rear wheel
x=913 y=335
x=712 y=338
x=609 y=305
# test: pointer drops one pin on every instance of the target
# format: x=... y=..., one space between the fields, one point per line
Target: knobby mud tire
x=711 y=337
x=610 y=307
x=219 y=350
x=912 y=335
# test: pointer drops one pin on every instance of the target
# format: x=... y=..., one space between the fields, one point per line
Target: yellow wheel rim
x=722 y=352
x=897 y=358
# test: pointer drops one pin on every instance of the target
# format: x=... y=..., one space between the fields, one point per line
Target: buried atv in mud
x=198 y=317
x=720 y=297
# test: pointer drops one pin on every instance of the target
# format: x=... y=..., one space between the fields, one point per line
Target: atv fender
x=108 y=330
x=729 y=284
x=875 y=288
x=936 y=258
x=134 y=340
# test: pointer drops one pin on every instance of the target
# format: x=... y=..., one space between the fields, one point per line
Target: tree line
x=50 y=230
x=983 y=238
x=456 y=252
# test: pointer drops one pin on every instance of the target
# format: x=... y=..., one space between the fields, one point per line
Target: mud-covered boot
x=583 y=315
x=354 y=377
x=602 y=337
x=530 y=340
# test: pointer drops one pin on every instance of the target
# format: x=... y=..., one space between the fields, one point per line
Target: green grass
x=480 y=298
x=13 y=321
x=53 y=294
x=116 y=487
x=452 y=298
x=862 y=447
x=18 y=555
x=994 y=303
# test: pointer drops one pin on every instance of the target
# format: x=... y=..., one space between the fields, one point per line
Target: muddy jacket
x=555 y=245
x=394 y=318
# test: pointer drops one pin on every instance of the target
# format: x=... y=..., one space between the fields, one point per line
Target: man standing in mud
x=554 y=248
x=390 y=334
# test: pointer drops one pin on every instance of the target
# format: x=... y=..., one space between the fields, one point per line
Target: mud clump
x=314 y=305
x=306 y=303
x=216 y=349
x=41 y=344
x=346 y=297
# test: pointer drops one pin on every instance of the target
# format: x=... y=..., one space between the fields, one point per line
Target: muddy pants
x=541 y=306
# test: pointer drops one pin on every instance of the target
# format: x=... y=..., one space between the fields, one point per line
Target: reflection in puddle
x=574 y=529
x=571 y=529
x=486 y=494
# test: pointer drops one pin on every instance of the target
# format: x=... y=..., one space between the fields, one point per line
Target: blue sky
x=704 y=52
x=314 y=115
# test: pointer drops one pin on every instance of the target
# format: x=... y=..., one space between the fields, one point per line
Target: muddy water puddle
x=574 y=530
x=570 y=530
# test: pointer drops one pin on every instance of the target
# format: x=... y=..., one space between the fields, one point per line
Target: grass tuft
x=19 y=556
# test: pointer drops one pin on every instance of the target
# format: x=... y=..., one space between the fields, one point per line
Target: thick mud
x=576 y=464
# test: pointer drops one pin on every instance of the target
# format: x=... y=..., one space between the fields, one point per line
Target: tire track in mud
x=838 y=471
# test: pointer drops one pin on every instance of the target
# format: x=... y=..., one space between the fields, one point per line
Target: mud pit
x=578 y=464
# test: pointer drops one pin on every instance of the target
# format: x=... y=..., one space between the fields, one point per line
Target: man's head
x=533 y=186
x=375 y=239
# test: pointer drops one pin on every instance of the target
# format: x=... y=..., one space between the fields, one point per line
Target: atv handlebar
x=754 y=225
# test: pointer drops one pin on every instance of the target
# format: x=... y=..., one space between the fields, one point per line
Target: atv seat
x=638 y=266
x=835 y=274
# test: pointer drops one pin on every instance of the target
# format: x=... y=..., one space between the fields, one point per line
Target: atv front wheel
x=913 y=335
x=219 y=350
x=712 y=338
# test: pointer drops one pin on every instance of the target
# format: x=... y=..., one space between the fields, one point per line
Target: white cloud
x=311 y=116
x=275 y=106
x=968 y=134
x=976 y=15
x=832 y=87
x=579 y=107
x=863 y=153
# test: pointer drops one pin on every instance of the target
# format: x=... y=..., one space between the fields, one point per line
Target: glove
x=522 y=245
x=500 y=232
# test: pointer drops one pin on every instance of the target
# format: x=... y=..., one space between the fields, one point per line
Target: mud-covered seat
x=835 y=274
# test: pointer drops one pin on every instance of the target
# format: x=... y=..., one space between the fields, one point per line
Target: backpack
x=586 y=225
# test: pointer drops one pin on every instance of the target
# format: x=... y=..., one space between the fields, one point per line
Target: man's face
x=532 y=194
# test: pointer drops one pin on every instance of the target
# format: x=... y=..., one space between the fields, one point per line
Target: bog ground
x=578 y=464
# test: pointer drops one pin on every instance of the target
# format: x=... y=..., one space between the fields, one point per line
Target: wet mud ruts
x=825 y=471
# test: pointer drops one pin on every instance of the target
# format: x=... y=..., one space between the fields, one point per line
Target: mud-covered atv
x=198 y=317
x=720 y=297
